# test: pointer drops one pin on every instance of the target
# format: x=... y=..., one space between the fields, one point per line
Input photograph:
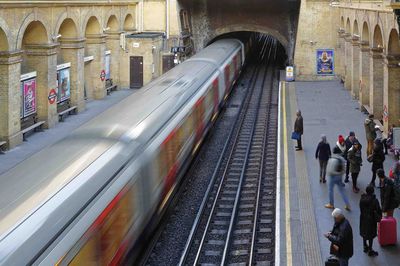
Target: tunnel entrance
x=261 y=47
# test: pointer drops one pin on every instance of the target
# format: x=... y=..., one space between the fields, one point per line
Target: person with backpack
x=341 y=238
x=389 y=196
x=335 y=171
x=370 y=215
x=370 y=133
x=323 y=153
x=376 y=158
x=355 y=159
x=349 y=143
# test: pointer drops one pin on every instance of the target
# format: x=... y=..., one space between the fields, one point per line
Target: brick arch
x=393 y=43
x=365 y=33
x=342 y=23
x=113 y=12
x=249 y=27
x=4 y=36
x=85 y=22
x=72 y=20
x=356 y=27
x=26 y=22
x=129 y=22
x=93 y=26
x=348 y=26
x=377 y=37
x=113 y=22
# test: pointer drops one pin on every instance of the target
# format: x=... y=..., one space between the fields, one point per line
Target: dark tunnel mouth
x=245 y=36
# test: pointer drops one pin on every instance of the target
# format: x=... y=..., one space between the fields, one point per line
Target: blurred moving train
x=86 y=199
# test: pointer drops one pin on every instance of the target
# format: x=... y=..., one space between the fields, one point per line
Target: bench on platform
x=2 y=146
x=69 y=111
x=35 y=127
x=110 y=86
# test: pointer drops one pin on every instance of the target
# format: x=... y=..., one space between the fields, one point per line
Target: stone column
x=73 y=51
x=348 y=58
x=364 y=73
x=376 y=82
x=355 y=73
x=340 y=57
x=43 y=59
x=96 y=46
x=10 y=98
x=391 y=92
x=113 y=39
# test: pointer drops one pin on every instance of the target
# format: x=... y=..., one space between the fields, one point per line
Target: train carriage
x=90 y=196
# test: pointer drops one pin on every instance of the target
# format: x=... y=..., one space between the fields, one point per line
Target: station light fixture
x=106 y=29
x=56 y=37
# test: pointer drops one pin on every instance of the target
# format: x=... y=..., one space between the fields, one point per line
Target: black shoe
x=373 y=253
x=366 y=249
x=346 y=180
x=324 y=181
x=298 y=149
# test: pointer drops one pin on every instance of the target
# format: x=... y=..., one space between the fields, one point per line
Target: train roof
x=29 y=184
x=219 y=51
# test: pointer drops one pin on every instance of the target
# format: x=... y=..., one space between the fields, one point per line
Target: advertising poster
x=64 y=86
x=22 y=100
x=29 y=97
x=108 y=72
x=289 y=73
x=325 y=62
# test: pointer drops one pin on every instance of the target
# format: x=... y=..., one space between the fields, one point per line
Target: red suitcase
x=387 y=233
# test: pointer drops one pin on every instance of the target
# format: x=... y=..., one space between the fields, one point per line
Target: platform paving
x=40 y=140
x=327 y=109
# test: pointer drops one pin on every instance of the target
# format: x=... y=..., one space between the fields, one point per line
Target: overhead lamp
x=106 y=29
x=55 y=38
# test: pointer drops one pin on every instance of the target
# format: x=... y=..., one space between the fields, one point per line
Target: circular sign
x=52 y=96
x=103 y=75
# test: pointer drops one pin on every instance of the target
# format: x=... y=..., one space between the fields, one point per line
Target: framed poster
x=396 y=137
x=325 y=62
x=64 y=85
x=29 y=97
x=22 y=100
x=289 y=73
x=107 y=65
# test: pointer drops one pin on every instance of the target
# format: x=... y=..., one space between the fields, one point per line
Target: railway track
x=235 y=222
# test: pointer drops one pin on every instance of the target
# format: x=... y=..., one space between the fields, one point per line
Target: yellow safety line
x=287 y=185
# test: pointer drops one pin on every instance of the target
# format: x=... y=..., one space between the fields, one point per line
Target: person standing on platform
x=370 y=215
x=376 y=158
x=341 y=238
x=355 y=159
x=323 y=153
x=298 y=128
x=379 y=137
x=335 y=171
x=349 y=144
x=370 y=133
x=388 y=200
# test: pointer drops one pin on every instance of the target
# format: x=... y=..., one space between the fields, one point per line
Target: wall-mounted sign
x=107 y=64
x=325 y=66
x=289 y=73
x=64 y=82
x=103 y=75
x=136 y=45
x=88 y=58
x=52 y=96
x=28 y=94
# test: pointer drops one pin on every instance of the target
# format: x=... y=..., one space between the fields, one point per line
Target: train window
x=209 y=102
x=188 y=125
x=103 y=241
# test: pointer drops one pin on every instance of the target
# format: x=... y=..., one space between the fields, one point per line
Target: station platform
x=327 y=108
x=40 y=140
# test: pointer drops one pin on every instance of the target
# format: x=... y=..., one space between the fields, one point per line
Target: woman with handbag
x=370 y=215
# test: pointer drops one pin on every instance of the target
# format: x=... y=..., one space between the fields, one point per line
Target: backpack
x=339 y=166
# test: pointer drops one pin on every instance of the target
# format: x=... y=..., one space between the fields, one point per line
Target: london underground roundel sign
x=52 y=96
x=103 y=75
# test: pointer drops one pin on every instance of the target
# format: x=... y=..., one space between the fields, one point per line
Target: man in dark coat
x=376 y=158
x=341 y=238
x=323 y=153
x=370 y=214
x=349 y=143
x=355 y=159
x=298 y=128
x=388 y=201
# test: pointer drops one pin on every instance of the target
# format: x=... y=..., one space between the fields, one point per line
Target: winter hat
x=336 y=150
x=380 y=173
x=341 y=139
x=337 y=213
x=370 y=190
x=323 y=138
x=352 y=134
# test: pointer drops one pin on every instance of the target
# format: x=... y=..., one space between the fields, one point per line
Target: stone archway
x=376 y=73
x=365 y=66
x=391 y=93
x=40 y=55
x=129 y=23
x=72 y=52
x=95 y=49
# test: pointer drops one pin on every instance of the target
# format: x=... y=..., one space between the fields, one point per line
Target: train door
x=136 y=72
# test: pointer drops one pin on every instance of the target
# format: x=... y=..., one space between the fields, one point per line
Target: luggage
x=296 y=136
x=332 y=261
x=387 y=233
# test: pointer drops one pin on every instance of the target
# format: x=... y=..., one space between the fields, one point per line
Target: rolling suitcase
x=332 y=261
x=387 y=233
